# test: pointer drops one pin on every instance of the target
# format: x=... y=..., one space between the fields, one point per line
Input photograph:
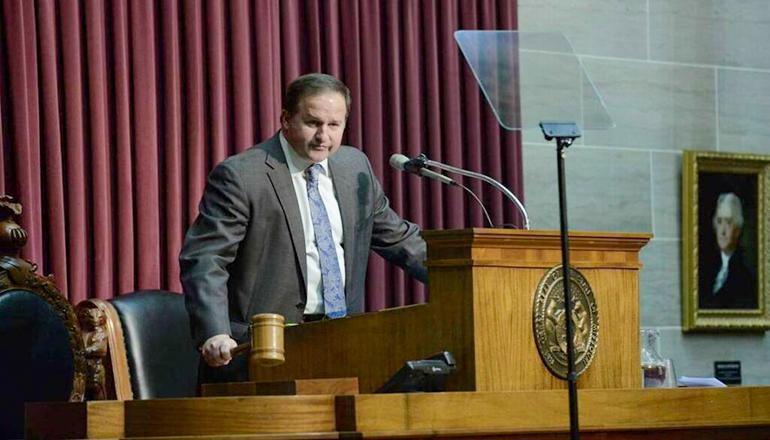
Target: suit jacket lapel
x=345 y=187
x=278 y=173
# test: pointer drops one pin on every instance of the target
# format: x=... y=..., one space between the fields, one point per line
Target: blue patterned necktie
x=331 y=278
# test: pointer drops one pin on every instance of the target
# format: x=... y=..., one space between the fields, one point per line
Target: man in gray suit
x=277 y=233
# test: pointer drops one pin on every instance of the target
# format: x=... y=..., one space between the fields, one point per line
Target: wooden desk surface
x=694 y=413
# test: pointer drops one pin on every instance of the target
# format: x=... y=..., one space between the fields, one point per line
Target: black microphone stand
x=565 y=134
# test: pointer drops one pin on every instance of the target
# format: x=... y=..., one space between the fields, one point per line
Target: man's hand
x=216 y=350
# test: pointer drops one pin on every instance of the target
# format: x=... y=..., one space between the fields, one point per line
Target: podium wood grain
x=482 y=285
x=547 y=411
x=231 y=415
x=337 y=387
x=93 y=419
x=713 y=413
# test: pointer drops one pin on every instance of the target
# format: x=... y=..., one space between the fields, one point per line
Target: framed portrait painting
x=725 y=241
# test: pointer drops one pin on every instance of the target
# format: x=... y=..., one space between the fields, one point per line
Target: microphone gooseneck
x=478 y=200
x=403 y=163
x=424 y=161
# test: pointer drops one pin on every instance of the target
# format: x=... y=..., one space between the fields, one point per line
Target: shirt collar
x=296 y=163
x=725 y=258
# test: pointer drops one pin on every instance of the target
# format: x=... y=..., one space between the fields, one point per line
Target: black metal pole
x=561 y=145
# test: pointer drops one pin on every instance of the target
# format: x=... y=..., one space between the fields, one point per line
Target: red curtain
x=112 y=114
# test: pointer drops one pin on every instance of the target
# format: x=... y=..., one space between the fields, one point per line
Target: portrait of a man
x=727 y=279
x=725 y=240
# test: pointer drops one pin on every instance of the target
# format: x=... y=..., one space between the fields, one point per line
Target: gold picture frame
x=725 y=241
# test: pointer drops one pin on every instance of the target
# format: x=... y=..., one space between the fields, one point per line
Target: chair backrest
x=41 y=351
x=161 y=353
x=148 y=335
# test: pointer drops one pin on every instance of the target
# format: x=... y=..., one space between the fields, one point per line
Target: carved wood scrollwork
x=19 y=274
x=93 y=324
x=105 y=348
x=12 y=236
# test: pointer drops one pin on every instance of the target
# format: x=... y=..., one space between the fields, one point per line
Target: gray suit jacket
x=245 y=252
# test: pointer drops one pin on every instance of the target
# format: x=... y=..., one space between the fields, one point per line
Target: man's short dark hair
x=313 y=84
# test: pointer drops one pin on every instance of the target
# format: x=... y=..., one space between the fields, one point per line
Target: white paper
x=687 y=381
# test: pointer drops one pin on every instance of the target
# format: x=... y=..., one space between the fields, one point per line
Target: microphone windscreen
x=398 y=161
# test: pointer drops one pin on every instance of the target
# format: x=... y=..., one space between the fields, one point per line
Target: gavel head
x=267 y=339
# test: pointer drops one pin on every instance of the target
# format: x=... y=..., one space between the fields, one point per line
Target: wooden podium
x=482 y=285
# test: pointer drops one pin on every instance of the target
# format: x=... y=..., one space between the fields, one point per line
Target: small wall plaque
x=729 y=372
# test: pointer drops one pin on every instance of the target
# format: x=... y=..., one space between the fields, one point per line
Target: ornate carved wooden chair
x=41 y=350
x=139 y=346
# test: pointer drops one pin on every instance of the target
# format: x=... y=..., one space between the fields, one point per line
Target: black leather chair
x=162 y=359
x=41 y=353
x=150 y=343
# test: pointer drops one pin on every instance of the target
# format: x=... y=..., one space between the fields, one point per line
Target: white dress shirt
x=297 y=167
x=722 y=274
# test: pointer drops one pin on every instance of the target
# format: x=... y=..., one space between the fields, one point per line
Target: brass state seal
x=549 y=323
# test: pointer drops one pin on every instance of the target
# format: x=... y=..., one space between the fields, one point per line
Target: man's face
x=315 y=130
x=726 y=230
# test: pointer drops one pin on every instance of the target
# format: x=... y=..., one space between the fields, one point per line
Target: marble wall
x=674 y=75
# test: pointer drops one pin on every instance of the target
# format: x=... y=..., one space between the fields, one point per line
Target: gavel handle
x=246 y=346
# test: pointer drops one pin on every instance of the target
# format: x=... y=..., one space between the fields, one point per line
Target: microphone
x=415 y=166
x=423 y=161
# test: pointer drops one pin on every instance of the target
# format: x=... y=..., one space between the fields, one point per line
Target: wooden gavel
x=266 y=344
